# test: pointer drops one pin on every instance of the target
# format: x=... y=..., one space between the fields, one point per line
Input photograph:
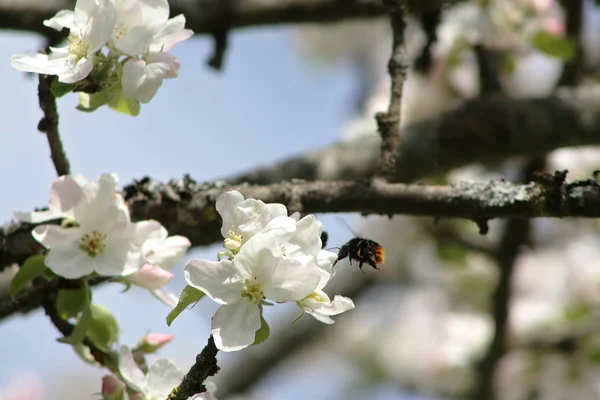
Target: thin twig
x=193 y=381
x=389 y=123
x=49 y=125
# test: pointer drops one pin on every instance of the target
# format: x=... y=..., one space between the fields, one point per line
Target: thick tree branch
x=49 y=125
x=193 y=381
x=187 y=208
x=209 y=16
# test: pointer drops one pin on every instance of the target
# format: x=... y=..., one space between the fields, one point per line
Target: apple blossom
x=152 y=342
x=91 y=25
x=104 y=240
x=259 y=271
x=163 y=375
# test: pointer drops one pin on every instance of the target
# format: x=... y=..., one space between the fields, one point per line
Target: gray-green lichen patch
x=496 y=193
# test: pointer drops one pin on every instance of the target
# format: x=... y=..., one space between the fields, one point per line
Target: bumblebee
x=365 y=251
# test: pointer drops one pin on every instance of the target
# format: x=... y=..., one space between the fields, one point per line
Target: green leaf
x=555 y=46
x=84 y=352
x=262 y=333
x=103 y=329
x=91 y=102
x=71 y=302
x=59 y=89
x=125 y=106
x=189 y=295
x=32 y=268
x=78 y=333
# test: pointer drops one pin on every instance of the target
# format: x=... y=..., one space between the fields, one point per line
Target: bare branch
x=208 y=16
x=49 y=125
x=193 y=381
x=487 y=129
x=389 y=123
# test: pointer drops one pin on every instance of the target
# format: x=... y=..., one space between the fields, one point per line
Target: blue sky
x=266 y=105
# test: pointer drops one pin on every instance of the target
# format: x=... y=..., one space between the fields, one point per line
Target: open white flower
x=163 y=375
x=64 y=194
x=319 y=305
x=91 y=26
x=104 y=240
x=259 y=271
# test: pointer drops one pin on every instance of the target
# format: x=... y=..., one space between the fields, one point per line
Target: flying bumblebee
x=365 y=251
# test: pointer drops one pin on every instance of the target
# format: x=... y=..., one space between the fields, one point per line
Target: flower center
x=253 y=291
x=120 y=31
x=317 y=296
x=93 y=244
x=77 y=47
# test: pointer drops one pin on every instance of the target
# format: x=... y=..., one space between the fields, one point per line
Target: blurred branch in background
x=210 y=16
x=483 y=130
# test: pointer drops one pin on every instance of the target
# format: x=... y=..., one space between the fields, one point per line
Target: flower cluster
x=269 y=256
x=97 y=235
x=118 y=46
x=137 y=381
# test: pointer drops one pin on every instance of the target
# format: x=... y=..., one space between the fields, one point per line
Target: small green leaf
x=103 y=329
x=59 y=89
x=78 y=333
x=91 y=102
x=125 y=106
x=555 y=46
x=71 y=302
x=84 y=352
x=189 y=295
x=262 y=333
x=32 y=268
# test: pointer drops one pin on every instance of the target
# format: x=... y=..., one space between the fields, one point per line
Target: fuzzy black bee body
x=365 y=251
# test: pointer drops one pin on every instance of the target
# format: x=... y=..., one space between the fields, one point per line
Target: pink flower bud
x=152 y=342
x=112 y=388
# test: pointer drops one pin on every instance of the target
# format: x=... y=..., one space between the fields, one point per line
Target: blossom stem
x=49 y=125
x=193 y=381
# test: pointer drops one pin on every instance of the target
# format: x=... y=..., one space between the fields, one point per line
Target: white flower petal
x=36 y=217
x=122 y=255
x=170 y=61
x=291 y=281
x=53 y=235
x=169 y=252
x=218 y=280
x=170 y=299
x=62 y=19
x=283 y=228
x=150 y=277
x=225 y=206
x=305 y=244
x=101 y=22
x=40 y=63
x=130 y=371
x=98 y=208
x=69 y=261
x=258 y=258
x=234 y=325
x=79 y=71
x=133 y=76
x=325 y=260
x=163 y=376
x=65 y=193
x=320 y=317
x=170 y=34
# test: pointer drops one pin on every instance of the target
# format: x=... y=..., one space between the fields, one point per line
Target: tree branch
x=49 y=125
x=193 y=381
x=187 y=208
x=208 y=16
x=389 y=123
x=488 y=129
